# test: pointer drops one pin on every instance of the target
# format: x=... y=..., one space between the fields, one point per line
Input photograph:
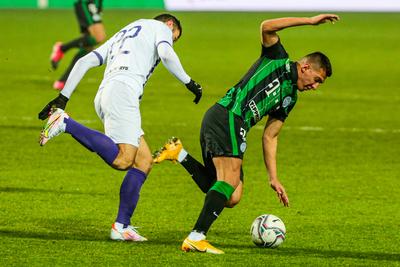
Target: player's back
x=132 y=52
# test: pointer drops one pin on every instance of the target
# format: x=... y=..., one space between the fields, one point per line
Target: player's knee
x=123 y=162
x=100 y=37
x=144 y=164
x=232 y=202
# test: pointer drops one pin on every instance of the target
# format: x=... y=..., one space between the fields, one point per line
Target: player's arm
x=171 y=61
x=93 y=59
x=270 y=145
x=269 y=27
x=78 y=71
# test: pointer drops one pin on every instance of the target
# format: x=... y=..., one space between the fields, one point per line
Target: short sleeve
x=275 y=51
x=279 y=115
x=163 y=34
x=282 y=113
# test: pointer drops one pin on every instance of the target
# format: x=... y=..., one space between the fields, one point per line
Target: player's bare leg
x=126 y=157
x=144 y=159
x=236 y=196
x=98 y=32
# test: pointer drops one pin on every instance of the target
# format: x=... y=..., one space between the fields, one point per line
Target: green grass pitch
x=338 y=152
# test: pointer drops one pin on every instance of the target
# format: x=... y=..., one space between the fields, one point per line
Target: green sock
x=214 y=203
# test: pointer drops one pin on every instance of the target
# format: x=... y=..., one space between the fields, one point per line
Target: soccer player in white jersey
x=131 y=56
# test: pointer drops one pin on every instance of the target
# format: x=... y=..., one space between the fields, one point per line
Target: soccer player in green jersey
x=88 y=14
x=268 y=88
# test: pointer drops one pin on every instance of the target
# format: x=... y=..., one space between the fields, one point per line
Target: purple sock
x=129 y=195
x=93 y=140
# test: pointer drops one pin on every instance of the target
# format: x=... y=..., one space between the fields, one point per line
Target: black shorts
x=222 y=134
x=87 y=14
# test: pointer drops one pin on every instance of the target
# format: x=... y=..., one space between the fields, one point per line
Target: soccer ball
x=268 y=231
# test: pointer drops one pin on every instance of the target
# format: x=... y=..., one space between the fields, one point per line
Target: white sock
x=195 y=236
x=119 y=226
x=182 y=155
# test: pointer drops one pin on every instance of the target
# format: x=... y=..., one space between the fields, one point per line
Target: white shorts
x=117 y=105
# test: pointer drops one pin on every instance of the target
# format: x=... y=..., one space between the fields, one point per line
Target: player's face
x=310 y=78
x=175 y=34
x=175 y=31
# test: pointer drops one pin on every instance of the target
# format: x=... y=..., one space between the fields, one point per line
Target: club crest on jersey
x=286 y=101
x=243 y=147
x=287 y=66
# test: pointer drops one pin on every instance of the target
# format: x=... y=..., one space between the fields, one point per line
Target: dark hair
x=321 y=61
x=167 y=17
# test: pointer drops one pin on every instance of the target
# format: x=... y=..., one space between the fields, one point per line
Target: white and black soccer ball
x=268 y=231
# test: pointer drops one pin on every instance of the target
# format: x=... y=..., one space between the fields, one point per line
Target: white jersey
x=131 y=54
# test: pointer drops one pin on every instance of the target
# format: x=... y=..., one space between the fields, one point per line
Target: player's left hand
x=196 y=89
x=59 y=102
x=280 y=191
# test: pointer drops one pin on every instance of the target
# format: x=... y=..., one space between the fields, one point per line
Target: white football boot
x=54 y=126
x=125 y=234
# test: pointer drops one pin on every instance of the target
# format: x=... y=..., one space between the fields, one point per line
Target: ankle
x=182 y=155
x=196 y=236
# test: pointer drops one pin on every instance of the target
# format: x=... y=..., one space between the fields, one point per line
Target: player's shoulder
x=274 y=51
x=150 y=24
x=153 y=22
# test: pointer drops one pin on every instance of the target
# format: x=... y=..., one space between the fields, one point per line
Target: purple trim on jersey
x=99 y=57
x=151 y=71
x=163 y=42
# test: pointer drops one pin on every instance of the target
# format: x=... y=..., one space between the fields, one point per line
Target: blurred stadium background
x=338 y=154
x=202 y=5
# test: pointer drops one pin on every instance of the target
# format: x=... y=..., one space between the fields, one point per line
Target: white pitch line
x=257 y=127
x=321 y=129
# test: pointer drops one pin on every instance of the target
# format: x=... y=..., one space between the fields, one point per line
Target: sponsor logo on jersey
x=254 y=110
x=286 y=101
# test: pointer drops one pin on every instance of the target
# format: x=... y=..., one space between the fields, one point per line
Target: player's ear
x=305 y=67
x=170 y=23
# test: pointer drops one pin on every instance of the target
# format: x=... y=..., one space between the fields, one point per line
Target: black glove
x=59 y=102
x=196 y=89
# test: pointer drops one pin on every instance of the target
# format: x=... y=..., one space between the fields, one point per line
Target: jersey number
x=122 y=37
x=271 y=87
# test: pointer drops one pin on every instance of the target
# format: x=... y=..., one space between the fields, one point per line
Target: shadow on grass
x=79 y=236
x=53 y=235
x=323 y=253
x=22 y=127
x=46 y=191
x=72 y=230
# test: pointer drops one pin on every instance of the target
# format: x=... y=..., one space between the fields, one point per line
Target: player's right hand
x=322 y=18
x=280 y=191
x=59 y=102
x=196 y=89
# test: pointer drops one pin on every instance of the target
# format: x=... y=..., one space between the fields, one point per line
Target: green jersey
x=97 y=3
x=268 y=88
